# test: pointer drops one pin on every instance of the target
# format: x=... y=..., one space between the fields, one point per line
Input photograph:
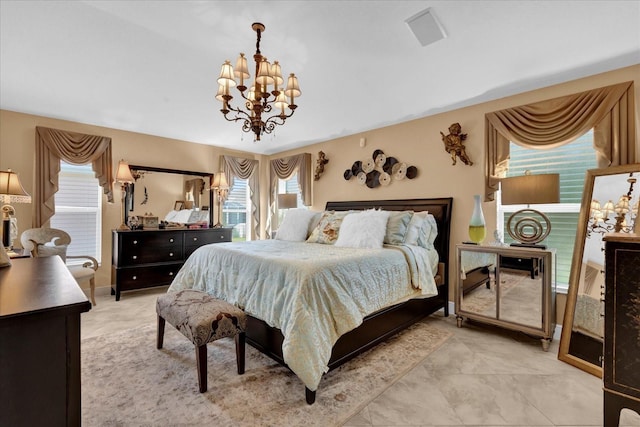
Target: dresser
x=507 y=286
x=40 y=307
x=621 y=363
x=148 y=258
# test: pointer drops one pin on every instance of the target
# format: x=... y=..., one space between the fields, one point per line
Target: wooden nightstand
x=519 y=292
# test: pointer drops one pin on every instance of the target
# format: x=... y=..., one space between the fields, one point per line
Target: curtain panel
x=284 y=168
x=548 y=124
x=53 y=145
x=246 y=169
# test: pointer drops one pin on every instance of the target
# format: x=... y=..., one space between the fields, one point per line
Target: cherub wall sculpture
x=453 y=144
x=322 y=160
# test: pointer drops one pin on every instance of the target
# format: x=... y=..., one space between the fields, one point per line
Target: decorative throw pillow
x=397 y=227
x=5 y=261
x=417 y=228
x=295 y=226
x=48 y=250
x=363 y=230
x=326 y=232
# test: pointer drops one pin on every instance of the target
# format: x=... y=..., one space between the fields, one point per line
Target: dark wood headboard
x=439 y=208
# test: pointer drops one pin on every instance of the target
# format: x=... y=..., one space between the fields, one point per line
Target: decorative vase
x=477 y=226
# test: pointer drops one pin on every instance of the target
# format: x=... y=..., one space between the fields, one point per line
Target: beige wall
x=417 y=142
x=17 y=151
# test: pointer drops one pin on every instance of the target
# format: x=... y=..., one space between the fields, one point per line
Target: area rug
x=126 y=381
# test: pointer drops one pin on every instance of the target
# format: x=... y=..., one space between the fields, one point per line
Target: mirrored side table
x=509 y=287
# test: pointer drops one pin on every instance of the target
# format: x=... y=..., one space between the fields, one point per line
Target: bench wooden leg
x=240 y=346
x=160 y=339
x=310 y=396
x=201 y=361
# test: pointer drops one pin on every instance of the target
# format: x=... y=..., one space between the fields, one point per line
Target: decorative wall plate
x=379 y=170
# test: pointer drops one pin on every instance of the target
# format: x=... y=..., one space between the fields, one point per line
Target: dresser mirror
x=581 y=342
x=156 y=191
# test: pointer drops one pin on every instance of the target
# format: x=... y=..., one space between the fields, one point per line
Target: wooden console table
x=40 y=306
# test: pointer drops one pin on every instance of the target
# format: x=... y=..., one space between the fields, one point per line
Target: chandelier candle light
x=599 y=215
x=258 y=101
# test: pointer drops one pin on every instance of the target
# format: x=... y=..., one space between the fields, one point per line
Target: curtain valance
x=53 y=145
x=548 y=124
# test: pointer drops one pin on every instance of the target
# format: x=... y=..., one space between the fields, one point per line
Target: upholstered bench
x=202 y=319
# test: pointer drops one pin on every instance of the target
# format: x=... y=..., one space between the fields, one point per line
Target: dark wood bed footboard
x=476 y=277
x=378 y=326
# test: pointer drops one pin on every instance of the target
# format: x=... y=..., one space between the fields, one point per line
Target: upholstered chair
x=43 y=242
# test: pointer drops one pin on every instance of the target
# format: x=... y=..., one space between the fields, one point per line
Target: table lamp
x=529 y=189
x=287 y=201
x=11 y=191
x=124 y=178
x=221 y=186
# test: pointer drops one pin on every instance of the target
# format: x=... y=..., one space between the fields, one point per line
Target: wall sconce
x=124 y=178
x=528 y=190
x=221 y=186
x=599 y=216
x=11 y=191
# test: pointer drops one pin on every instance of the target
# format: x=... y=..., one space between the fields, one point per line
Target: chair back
x=33 y=237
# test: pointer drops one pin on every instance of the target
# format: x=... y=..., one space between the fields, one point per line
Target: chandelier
x=613 y=218
x=258 y=101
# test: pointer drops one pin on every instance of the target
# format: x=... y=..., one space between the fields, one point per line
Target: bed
x=306 y=298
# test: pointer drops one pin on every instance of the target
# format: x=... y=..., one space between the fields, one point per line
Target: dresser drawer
x=194 y=239
x=148 y=248
x=146 y=277
x=149 y=240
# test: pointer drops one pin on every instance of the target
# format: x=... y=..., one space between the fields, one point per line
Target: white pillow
x=363 y=229
x=417 y=228
x=433 y=229
x=295 y=225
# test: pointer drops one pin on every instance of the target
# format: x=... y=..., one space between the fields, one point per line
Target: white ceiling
x=151 y=66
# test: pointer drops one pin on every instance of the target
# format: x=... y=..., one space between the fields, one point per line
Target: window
x=571 y=161
x=237 y=210
x=290 y=186
x=79 y=210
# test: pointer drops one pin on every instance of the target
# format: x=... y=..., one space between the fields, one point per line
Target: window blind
x=571 y=161
x=79 y=210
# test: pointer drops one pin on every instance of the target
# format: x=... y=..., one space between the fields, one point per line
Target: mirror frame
x=576 y=265
x=179 y=172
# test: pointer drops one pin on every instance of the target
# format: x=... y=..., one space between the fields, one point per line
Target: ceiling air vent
x=426 y=27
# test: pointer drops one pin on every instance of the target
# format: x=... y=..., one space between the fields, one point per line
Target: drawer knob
x=170 y=240
x=135 y=257
x=195 y=239
x=170 y=253
x=135 y=242
x=135 y=277
x=171 y=273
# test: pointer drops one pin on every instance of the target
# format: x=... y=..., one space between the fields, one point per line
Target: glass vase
x=477 y=226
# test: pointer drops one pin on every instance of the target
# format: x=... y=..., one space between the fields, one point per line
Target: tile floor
x=482 y=376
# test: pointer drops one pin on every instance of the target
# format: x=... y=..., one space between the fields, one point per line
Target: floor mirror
x=603 y=210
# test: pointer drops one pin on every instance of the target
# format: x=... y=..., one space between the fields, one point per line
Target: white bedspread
x=313 y=293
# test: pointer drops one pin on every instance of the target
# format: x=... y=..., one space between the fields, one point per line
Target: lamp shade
x=531 y=189
x=287 y=201
x=220 y=181
x=123 y=175
x=11 y=190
